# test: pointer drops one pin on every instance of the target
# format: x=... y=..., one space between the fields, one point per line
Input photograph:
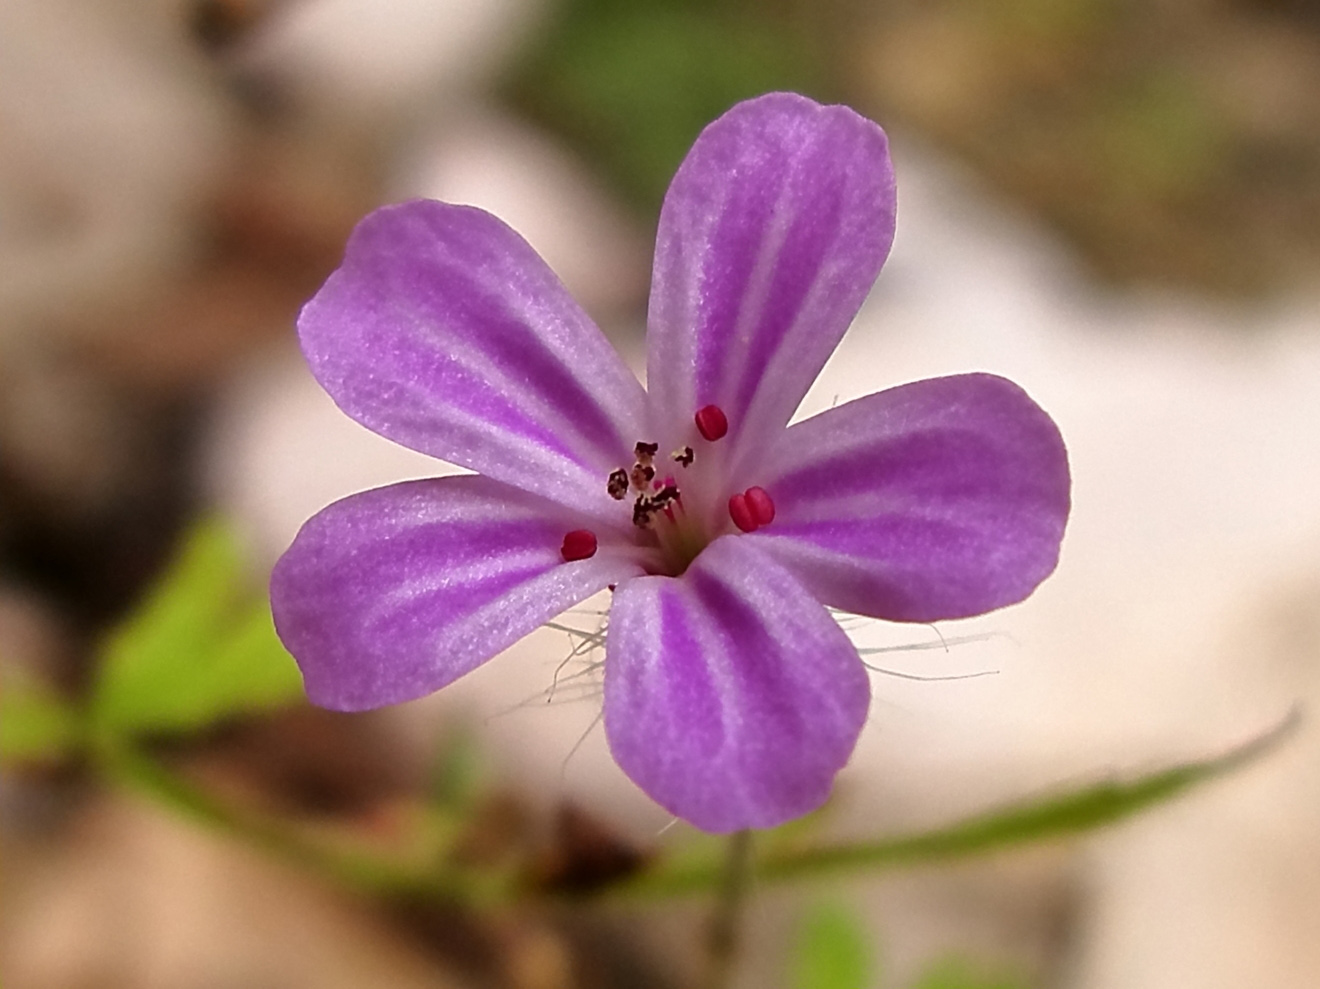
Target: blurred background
x=1116 y=203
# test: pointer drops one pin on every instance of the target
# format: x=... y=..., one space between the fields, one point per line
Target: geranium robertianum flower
x=732 y=696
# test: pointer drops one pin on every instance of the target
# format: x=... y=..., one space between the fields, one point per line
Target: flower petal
x=444 y=331
x=393 y=593
x=938 y=499
x=731 y=696
x=770 y=236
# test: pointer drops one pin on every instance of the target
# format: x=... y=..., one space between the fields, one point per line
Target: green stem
x=1059 y=817
x=370 y=871
x=725 y=924
x=365 y=871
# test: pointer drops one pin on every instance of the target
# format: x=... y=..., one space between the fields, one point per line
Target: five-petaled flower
x=732 y=696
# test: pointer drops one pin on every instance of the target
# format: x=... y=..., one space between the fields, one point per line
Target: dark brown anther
x=642 y=475
x=684 y=456
x=617 y=485
x=642 y=510
x=645 y=451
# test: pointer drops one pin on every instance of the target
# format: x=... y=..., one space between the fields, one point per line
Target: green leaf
x=832 y=951
x=35 y=723
x=201 y=648
x=956 y=972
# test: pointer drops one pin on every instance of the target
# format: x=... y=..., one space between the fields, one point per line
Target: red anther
x=761 y=505
x=580 y=544
x=712 y=423
x=742 y=514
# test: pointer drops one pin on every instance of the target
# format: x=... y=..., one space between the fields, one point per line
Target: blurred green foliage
x=957 y=972
x=832 y=951
x=633 y=84
x=199 y=649
x=36 y=724
x=1171 y=142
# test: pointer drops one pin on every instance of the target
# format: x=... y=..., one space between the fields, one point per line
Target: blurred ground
x=1115 y=204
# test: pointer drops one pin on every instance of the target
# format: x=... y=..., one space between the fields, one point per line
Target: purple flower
x=732 y=697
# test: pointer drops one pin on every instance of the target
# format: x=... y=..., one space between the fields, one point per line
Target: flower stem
x=364 y=870
x=1051 y=817
x=724 y=928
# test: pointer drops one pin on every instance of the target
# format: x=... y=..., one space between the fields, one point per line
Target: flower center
x=679 y=531
x=658 y=509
